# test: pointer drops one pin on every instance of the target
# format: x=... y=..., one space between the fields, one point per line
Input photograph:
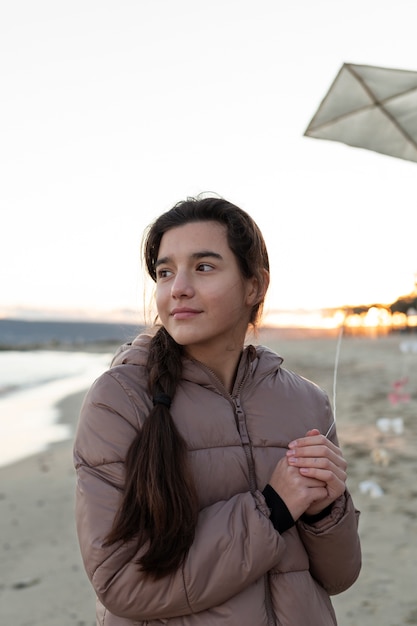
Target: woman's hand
x=297 y=491
x=317 y=458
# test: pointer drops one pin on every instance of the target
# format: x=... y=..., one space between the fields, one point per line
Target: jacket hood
x=134 y=352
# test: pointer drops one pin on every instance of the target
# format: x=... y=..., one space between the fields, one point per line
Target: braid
x=160 y=503
x=164 y=364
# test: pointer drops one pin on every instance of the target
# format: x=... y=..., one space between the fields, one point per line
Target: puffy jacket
x=239 y=571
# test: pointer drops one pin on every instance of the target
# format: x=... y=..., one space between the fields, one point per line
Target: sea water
x=31 y=384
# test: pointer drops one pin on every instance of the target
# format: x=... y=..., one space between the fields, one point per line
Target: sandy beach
x=42 y=581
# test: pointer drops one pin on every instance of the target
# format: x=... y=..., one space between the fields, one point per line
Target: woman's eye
x=204 y=267
x=163 y=273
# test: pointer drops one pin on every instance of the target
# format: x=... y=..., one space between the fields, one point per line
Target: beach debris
x=380 y=457
x=372 y=488
x=398 y=395
x=391 y=425
x=28 y=582
x=408 y=346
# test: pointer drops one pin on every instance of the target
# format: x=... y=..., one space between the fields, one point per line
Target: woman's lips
x=184 y=314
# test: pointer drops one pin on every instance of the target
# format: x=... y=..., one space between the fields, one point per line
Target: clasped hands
x=311 y=476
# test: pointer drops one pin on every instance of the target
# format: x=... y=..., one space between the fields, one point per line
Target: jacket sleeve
x=234 y=545
x=333 y=546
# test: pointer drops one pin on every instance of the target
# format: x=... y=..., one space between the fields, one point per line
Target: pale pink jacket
x=239 y=571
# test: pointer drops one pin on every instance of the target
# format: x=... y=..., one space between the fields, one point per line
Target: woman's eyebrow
x=202 y=254
x=206 y=253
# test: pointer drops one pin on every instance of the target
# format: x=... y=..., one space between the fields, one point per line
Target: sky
x=112 y=111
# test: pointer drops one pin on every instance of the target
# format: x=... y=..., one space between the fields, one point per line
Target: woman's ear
x=265 y=284
x=257 y=289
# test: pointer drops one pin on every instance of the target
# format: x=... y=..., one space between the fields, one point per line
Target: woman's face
x=202 y=299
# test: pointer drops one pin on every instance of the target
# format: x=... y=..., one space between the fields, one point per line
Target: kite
x=369 y=107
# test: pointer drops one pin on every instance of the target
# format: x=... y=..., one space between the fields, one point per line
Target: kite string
x=336 y=365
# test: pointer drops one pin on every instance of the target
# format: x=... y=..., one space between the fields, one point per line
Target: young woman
x=207 y=493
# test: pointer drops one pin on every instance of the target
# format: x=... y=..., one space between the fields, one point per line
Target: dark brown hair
x=160 y=505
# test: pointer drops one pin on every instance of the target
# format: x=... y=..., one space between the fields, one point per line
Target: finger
x=312 y=432
x=334 y=486
x=312 y=440
x=325 y=465
x=333 y=454
x=326 y=475
x=337 y=465
x=310 y=481
x=294 y=479
x=334 y=478
x=314 y=456
x=286 y=479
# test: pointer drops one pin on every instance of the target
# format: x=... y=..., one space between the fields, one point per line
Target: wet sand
x=42 y=581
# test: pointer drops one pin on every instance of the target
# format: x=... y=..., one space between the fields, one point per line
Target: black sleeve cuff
x=312 y=519
x=280 y=515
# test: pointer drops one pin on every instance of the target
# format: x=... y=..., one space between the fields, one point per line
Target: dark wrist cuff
x=312 y=519
x=280 y=516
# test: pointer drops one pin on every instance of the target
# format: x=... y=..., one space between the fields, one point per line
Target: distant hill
x=25 y=334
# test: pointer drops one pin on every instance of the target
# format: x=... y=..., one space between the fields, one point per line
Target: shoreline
x=32 y=387
x=41 y=571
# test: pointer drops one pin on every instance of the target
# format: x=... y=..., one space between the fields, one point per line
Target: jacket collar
x=255 y=361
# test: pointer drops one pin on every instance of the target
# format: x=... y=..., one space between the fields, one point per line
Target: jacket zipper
x=243 y=432
x=244 y=437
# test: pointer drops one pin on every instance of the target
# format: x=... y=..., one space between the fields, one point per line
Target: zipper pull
x=241 y=423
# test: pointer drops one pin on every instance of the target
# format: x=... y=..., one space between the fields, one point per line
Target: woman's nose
x=182 y=286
